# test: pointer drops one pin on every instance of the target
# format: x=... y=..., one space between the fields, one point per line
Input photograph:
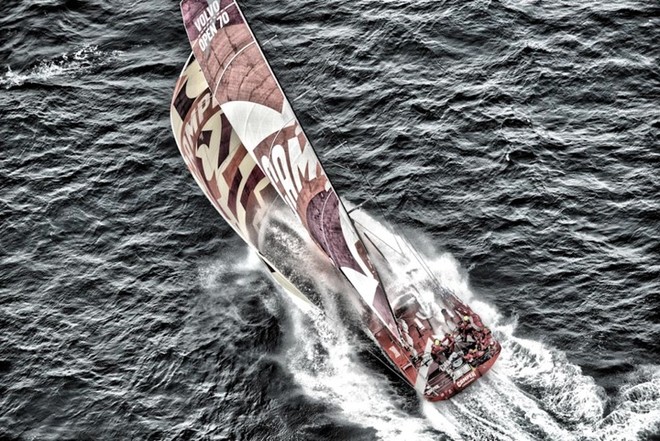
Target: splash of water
x=333 y=375
x=67 y=65
x=533 y=392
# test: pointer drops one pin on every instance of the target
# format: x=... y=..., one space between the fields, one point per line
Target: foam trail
x=335 y=376
x=533 y=392
x=67 y=64
x=322 y=360
x=636 y=410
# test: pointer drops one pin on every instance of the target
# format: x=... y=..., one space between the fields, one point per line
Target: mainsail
x=254 y=104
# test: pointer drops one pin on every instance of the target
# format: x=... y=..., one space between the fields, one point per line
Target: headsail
x=252 y=101
x=213 y=152
x=224 y=170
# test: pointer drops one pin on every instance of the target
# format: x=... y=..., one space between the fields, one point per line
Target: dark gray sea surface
x=515 y=143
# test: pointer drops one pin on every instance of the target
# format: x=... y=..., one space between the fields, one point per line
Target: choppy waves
x=514 y=141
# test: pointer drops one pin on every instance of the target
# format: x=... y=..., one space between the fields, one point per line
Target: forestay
x=251 y=99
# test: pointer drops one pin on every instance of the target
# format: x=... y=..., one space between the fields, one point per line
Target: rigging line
x=322 y=112
x=362 y=175
x=363 y=178
x=416 y=255
x=381 y=240
x=337 y=164
x=300 y=96
x=341 y=144
x=423 y=263
x=313 y=87
x=374 y=197
x=357 y=207
x=399 y=235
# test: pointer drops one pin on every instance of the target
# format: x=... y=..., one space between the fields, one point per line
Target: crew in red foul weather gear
x=477 y=323
x=483 y=338
x=438 y=352
x=469 y=357
x=449 y=342
x=465 y=327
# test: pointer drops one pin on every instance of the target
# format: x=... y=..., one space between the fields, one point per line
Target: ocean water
x=514 y=143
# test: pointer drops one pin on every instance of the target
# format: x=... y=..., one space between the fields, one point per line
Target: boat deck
x=467 y=350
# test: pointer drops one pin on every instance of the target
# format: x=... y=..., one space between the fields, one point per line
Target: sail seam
x=224 y=71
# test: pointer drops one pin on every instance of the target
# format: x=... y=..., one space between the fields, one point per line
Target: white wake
x=66 y=65
x=532 y=393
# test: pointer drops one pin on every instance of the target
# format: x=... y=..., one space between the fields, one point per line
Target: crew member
x=449 y=321
x=465 y=326
x=449 y=342
x=438 y=351
x=469 y=357
x=483 y=338
x=478 y=356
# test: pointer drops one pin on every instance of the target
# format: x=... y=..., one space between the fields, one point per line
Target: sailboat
x=246 y=149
